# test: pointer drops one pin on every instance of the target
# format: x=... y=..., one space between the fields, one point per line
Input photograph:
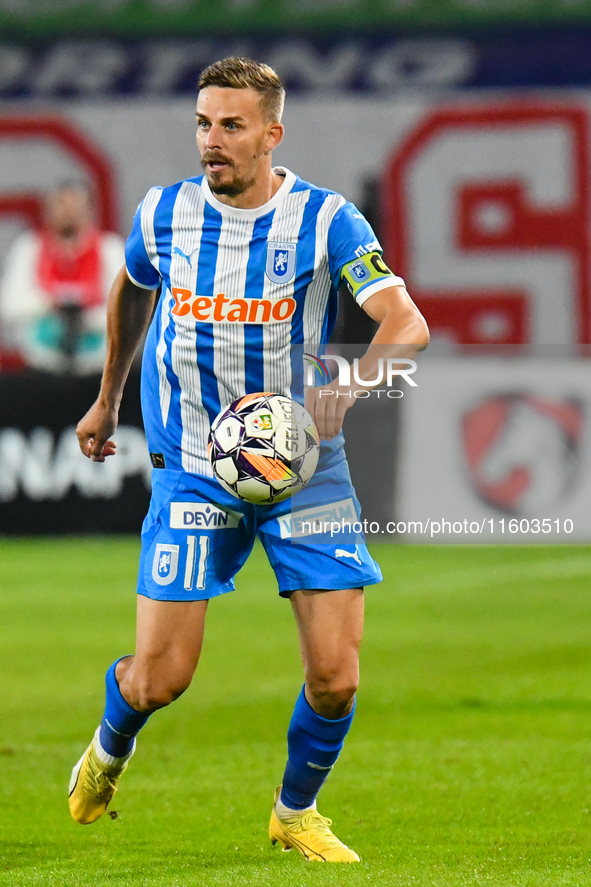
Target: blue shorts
x=196 y=537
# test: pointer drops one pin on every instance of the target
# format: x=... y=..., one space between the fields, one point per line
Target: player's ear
x=274 y=135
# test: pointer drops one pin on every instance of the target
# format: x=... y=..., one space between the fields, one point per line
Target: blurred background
x=459 y=127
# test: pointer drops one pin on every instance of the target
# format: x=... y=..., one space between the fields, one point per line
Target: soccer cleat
x=310 y=833
x=92 y=785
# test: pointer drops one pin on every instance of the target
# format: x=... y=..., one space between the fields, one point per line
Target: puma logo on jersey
x=340 y=552
x=179 y=252
x=220 y=309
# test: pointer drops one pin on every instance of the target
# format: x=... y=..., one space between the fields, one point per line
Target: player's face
x=234 y=138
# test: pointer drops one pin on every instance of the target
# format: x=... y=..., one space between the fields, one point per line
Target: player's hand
x=328 y=410
x=94 y=432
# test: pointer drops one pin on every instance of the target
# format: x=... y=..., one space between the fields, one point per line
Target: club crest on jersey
x=281 y=261
x=165 y=564
x=360 y=272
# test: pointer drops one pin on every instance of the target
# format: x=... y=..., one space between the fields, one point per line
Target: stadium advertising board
x=488 y=219
x=511 y=459
x=46 y=484
x=356 y=62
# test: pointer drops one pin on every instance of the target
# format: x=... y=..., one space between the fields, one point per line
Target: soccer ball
x=263 y=447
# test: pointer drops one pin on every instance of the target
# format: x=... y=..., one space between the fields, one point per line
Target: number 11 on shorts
x=192 y=549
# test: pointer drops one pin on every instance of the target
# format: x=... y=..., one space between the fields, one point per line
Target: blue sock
x=120 y=722
x=313 y=745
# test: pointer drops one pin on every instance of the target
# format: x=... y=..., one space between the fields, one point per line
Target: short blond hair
x=242 y=73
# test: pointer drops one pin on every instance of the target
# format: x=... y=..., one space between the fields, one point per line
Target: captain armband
x=367 y=275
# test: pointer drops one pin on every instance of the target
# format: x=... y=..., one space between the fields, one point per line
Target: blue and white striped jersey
x=240 y=287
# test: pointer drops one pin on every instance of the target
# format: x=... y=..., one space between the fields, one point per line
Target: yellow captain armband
x=367 y=275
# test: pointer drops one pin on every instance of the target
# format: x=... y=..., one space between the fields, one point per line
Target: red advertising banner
x=487 y=219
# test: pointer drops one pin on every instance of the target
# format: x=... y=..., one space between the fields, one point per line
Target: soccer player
x=249 y=259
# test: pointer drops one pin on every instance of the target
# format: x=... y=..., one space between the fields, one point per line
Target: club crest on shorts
x=165 y=564
x=281 y=261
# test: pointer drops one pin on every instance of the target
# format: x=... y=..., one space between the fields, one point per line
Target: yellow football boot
x=92 y=785
x=310 y=833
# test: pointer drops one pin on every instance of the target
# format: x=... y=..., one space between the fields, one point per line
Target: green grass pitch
x=468 y=762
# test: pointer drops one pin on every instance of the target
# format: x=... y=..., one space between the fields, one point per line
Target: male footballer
x=248 y=259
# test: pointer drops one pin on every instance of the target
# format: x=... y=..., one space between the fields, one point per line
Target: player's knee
x=155 y=691
x=331 y=696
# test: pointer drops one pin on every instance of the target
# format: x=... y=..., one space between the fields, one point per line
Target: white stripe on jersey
x=149 y=205
x=187 y=216
x=164 y=390
x=276 y=349
x=319 y=289
x=230 y=278
x=151 y=201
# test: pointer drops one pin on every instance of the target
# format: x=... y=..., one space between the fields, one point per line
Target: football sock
x=283 y=812
x=121 y=723
x=313 y=745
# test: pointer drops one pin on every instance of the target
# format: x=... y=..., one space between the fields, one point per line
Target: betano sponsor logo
x=201 y=515
x=221 y=309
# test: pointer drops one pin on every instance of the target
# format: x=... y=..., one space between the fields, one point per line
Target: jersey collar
x=256 y=211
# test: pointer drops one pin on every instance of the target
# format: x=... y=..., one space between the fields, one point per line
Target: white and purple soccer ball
x=263 y=448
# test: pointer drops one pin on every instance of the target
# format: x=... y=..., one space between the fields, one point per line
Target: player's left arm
x=402 y=333
x=402 y=330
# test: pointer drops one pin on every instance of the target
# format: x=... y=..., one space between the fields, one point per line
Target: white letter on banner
x=343 y=365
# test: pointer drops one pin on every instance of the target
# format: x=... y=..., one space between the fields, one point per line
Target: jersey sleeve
x=355 y=255
x=140 y=262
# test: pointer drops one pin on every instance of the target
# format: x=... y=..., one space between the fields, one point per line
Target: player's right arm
x=129 y=310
